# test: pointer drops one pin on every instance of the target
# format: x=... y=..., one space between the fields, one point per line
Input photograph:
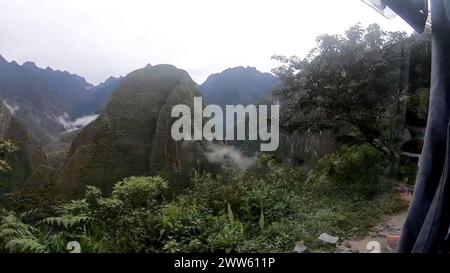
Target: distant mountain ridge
x=41 y=97
x=239 y=85
x=98 y=98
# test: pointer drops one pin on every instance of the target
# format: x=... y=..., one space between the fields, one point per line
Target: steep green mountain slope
x=132 y=136
x=28 y=156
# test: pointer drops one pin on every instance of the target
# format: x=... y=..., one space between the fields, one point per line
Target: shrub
x=138 y=192
x=266 y=209
x=357 y=172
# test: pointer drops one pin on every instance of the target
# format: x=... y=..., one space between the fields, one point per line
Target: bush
x=357 y=172
x=266 y=209
x=138 y=192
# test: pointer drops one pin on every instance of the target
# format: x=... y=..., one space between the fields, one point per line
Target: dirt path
x=383 y=237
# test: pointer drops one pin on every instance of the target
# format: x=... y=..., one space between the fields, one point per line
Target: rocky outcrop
x=57 y=150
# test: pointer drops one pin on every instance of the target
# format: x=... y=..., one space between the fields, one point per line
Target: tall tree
x=356 y=80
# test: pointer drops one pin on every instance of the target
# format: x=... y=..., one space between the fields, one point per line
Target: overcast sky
x=101 y=38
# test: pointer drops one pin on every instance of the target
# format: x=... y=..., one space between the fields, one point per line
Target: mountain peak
x=242 y=69
x=29 y=65
x=238 y=85
x=110 y=79
x=140 y=140
x=50 y=93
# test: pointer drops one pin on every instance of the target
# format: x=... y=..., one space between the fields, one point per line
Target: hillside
x=28 y=156
x=132 y=136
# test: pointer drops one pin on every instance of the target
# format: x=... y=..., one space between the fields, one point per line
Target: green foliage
x=408 y=172
x=67 y=222
x=418 y=103
x=6 y=148
x=357 y=172
x=138 y=192
x=188 y=228
x=229 y=235
x=354 y=80
x=266 y=209
x=16 y=236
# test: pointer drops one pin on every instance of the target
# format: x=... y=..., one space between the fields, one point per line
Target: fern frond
x=67 y=222
x=25 y=245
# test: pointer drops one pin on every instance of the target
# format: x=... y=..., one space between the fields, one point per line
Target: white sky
x=101 y=38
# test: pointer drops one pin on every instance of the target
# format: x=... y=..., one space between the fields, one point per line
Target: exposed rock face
x=132 y=136
x=57 y=150
x=28 y=156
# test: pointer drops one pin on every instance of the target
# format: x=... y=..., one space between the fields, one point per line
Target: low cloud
x=220 y=153
x=11 y=108
x=77 y=124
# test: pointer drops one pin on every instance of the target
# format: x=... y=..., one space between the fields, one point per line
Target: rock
x=300 y=247
x=344 y=248
x=373 y=234
x=58 y=149
x=347 y=244
x=381 y=227
x=328 y=239
x=348 y=251
x=392 y=241
x=355 y=250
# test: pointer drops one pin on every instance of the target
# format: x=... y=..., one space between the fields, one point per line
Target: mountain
x=46 y=100
x=238 y=85
x=58 y=149
x=131 y=137
x=40 y=97
x=97 y=99
x=28 y=156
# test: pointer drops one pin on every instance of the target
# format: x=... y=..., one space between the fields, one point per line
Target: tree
x=6 y=148
x=356 y=80
x=419 y=78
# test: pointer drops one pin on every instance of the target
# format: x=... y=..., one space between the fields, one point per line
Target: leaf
x=230 y=214
x=261 y=220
